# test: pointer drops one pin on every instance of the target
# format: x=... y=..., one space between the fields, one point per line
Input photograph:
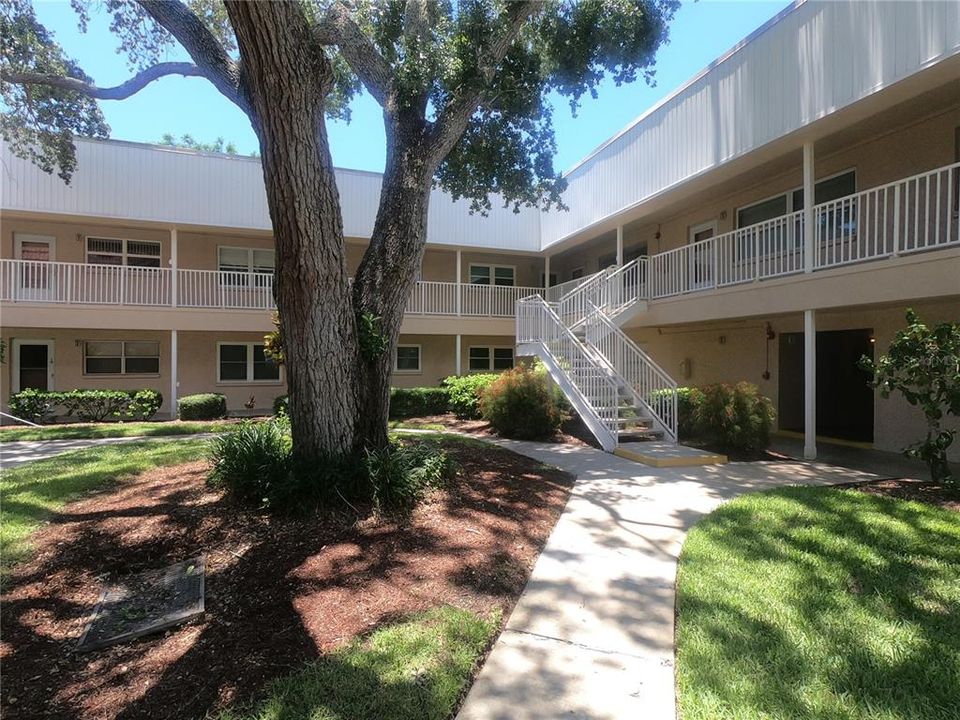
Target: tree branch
x=339 y=28
x=212 y=59
x=446 y=130
x=119 y=92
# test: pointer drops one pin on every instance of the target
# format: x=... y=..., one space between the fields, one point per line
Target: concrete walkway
x=24 y=451
x=592 y=634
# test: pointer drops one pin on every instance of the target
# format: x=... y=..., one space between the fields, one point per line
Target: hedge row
x=457 y=394
x=85 y=405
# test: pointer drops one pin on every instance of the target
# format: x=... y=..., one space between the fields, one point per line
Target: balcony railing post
x=174 y=278
x=896 y=220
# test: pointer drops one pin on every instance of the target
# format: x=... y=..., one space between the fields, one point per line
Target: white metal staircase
x=617 y=389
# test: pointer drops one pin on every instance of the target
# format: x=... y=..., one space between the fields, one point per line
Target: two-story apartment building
x=769 y=221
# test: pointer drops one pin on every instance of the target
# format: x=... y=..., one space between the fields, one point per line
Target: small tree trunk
x=287 y=81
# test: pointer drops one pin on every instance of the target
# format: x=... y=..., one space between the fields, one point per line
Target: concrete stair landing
x=665 y=454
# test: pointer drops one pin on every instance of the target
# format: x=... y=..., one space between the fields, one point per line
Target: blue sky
x=700 y=32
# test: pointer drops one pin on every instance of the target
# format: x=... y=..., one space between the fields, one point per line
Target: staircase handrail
x=565 y=348
x=652 y=386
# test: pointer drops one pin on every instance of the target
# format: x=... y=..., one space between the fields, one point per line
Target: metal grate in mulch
x=146 y=603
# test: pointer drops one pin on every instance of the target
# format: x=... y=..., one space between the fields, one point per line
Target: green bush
x=733 y=417
x=86 y=405
x=522 y=404
x=465 y=392
x=33 y=405
x=253 y=462
x=399 y=475
x=417 y=402
x=205 y=406
x=144 y=404
x=281 y=405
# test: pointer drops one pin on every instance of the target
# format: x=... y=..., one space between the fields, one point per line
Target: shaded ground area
x=925 y=492
x=572 y=432
x=279 y=591
x=821 y=603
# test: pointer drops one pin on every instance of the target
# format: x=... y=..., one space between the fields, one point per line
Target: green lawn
x=107 y=430
x=416 y=425
x=412 y=670
x=31 y=493
x=822 y=604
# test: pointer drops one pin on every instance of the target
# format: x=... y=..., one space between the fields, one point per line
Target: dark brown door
x=34 y=366
x=844 y=399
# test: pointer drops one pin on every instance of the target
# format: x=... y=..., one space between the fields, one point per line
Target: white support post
x=619 y=245
x=546 y=272
x=173 y=267
x=809 y=385
x=458 y=361
x=809 y=236
x=459 y=296
x=173 y=374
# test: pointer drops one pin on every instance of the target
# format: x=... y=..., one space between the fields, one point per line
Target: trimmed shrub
x=689 y=399
x=400 y=475
x=254 y=463
x=465 y=392
x=281 y=405
x=205 y=406
x=86 y=405
x=144 y=404
x=33 y=405
x=94 y=405
x=521 y=404
x=734 y=417
x=417 y=402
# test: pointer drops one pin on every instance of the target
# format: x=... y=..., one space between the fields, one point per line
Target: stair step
x=641 y=434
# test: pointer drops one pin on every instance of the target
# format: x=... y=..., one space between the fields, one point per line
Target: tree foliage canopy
x=439 y=59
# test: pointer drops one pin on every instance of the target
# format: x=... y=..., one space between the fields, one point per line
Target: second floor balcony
x=85 y=284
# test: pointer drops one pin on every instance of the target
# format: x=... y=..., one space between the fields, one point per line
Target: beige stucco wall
x=742 y=356
x=198 y=371
x=438 y=356
x=70 y=245
x=68 y=361
x=878 y=159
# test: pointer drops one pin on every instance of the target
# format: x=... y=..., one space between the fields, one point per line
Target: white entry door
x=32 y=365
x=701 y=256
x=35 y=279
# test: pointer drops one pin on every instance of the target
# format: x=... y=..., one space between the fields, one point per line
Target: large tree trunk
x=287 y=78
x=390 y=266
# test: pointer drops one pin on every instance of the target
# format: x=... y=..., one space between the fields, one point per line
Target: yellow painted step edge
x=660 y=462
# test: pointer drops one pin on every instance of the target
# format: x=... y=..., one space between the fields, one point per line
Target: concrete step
x=661 y=453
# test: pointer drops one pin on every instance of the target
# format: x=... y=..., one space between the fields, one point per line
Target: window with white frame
x=485 y=359
x=503 y=275
x=239 y=265
x=245 y=362
x=406 y=359
x=118 y=251
x=121 y=357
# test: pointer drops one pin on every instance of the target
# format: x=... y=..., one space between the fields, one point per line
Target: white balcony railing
x=910 y=215
x=85 y=284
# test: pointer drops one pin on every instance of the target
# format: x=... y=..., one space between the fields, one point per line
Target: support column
x=458 y=363
x=173 y=267
x=809 y=236
x=619 y=245
x=173 y=374
x=546 y=272
x=809 y=385
x=459 y=296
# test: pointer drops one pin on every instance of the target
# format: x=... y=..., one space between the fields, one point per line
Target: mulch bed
x=925 y=492
x=572 y=432
x=280 y=591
